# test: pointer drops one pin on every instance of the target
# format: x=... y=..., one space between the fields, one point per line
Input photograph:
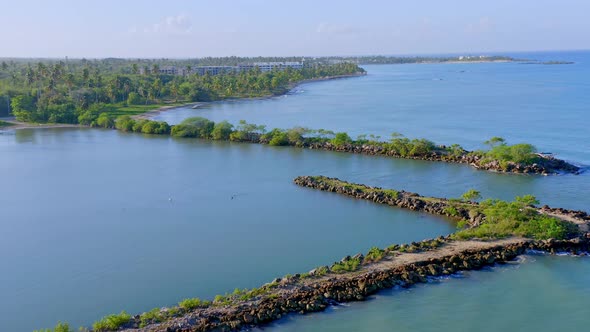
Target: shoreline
x=151 y=114
x=16 y=125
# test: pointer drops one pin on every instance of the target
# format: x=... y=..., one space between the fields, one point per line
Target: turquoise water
x=539 y=294
x=97 y=221
x=545 y=105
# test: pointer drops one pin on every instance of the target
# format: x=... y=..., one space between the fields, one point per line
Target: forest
x=73 y=91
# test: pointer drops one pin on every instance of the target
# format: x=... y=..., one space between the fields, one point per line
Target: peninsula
x=501 y=157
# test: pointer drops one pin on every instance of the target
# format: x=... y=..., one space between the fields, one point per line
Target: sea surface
x=96 y=221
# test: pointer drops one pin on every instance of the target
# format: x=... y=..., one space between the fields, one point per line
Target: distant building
x=216 y=70
x=173 y=70
x=270 y=66
x=213 y=70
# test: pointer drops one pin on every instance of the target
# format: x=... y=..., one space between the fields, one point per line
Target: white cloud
x=171 y=25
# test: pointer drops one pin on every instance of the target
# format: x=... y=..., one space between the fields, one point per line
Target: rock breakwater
x=305 y=295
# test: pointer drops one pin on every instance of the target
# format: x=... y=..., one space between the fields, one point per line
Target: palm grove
x=80 y=91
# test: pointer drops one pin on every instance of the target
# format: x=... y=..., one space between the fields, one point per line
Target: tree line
x=198 y=127
x=62 y=92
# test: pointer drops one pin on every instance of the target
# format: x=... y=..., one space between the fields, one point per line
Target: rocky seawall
x=355 y=278
x=401 y=199
x=299 y=295
x=545 y=165
x=415 y=202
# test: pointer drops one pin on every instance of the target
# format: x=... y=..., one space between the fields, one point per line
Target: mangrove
x=500 y=157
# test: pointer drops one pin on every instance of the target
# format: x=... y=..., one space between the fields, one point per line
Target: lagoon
x=98 y=221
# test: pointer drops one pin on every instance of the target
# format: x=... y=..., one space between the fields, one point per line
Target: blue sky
x=198 y=28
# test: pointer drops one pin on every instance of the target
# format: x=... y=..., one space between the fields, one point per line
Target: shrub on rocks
x=112 y=322
x=193 y=303
x=348 y=265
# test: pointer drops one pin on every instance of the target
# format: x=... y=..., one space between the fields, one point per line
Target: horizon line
x=400 y=55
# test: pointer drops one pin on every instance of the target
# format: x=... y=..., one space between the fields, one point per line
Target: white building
x=270 y=66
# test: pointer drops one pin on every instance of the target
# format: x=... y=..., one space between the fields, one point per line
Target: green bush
x=405 y=147
x=105 y=121
x=87 y=118
x=194 y=127
x=247 y=131
x=375 y=254
x=471 y=195
x=138 y=125
x=222 y=130
x=149 y=127
x=518 y=153
x=391 y=193
x=295 y=135
x=153 y=316
x=456 y=150
x=341 y=139
x=193 y=303
x=279 y=139
x=60 y=327
x=346 y=266
x=112 y=322
x=124 y=123
x=503 y=219
x=451 y=211
x=321 y=271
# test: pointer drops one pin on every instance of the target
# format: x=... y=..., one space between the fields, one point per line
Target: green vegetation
x=416 y=247
x=193 y=303
x=341 y=139
x=4 y=124
x=153 y=316
x=497 y=218
x=397 y=146
x=471 y=195
x=321 y=271
x=503 y=153
x=53 y=91
x=222 y=130
x=375 y=254
x=112 y=322
x=517 y=218
x=348 y=265
x=60 y=327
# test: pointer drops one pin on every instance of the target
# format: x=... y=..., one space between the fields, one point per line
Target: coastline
x=16 y=125
x=150 y=114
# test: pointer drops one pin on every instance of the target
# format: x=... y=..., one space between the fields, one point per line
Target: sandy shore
x=150 y=114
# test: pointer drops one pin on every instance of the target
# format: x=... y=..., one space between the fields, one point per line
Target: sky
x=199 y=28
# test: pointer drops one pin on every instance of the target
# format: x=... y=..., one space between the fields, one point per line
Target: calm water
x=540 y=294
x=94 y=222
